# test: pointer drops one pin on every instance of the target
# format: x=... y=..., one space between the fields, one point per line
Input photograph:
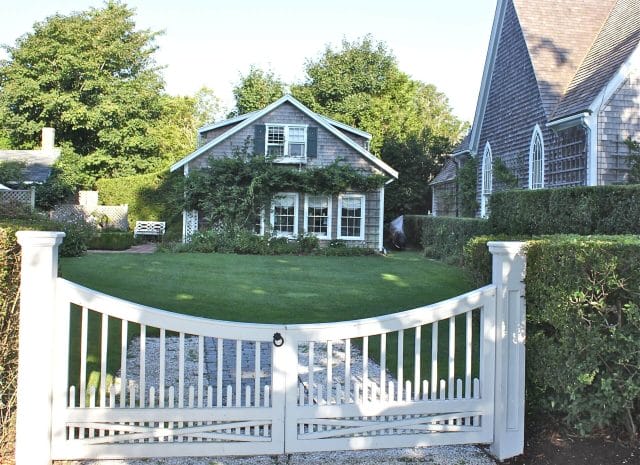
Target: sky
x=211 y=42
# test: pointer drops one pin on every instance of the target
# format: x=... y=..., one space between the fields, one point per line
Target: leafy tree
x=90 y=75
x=634 y=161
x=411 y=122
x=177 y=129
x=255 y=90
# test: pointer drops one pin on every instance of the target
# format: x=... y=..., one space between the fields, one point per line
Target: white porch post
x=39 y=270
x=509 y=265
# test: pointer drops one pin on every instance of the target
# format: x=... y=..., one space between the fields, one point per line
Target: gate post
x=509 y=265
x=38 y=273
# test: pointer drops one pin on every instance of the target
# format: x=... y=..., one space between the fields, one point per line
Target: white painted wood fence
x=247 y=389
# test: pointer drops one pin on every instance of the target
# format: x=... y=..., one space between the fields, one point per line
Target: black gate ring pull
x=278 y=340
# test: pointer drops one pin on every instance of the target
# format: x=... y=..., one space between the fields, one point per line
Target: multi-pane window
x=536 y=160
x=287 y=142
x=284 y=215
x=318 y=215
x=351 y=208
x=487 y=180
x=275 y=141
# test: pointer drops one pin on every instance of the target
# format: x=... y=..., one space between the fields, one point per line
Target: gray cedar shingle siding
x=330 y=148
x=513 y=106
x=618 y=120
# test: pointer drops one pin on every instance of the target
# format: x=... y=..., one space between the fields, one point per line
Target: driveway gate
x=166 y=384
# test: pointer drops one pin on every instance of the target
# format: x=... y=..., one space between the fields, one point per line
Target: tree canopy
x=256 y=90
x=91 y=76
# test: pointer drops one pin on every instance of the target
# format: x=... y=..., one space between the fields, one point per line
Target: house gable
x=333 y=143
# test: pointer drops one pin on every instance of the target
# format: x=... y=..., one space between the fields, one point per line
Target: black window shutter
x=258 y=139
x=312 y=142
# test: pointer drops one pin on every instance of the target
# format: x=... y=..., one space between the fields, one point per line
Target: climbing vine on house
x=231 y=191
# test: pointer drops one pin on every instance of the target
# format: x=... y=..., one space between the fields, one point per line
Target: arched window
x=487 y=180
x=536 y=160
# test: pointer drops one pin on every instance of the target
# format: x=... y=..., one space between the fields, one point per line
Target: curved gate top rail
x=156 y=383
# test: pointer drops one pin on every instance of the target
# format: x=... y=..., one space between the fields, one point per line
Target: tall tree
x=255 y=90
x=411 y=122
x=91 y=76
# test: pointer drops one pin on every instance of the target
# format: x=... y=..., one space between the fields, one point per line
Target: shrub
x=444 y=238
x=575 y=210
x=9 y=305
x=111 y=240
x=77 y=234
x=151 y=197
x=413 y=226
x=583 y=327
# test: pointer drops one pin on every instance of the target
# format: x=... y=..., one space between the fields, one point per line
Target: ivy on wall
x=232 y=191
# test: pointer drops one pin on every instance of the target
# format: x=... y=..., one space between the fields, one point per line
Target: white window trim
x=296 y=214
x=362 y=219
x=285 y=158
x=261 y=233
x=536 y=133
x=329 y=216
x=485 y=194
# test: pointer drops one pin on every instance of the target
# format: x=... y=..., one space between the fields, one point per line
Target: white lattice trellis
x=189 y=224
x=26 y=197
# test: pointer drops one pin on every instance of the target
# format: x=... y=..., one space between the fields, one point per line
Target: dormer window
x=286 y=143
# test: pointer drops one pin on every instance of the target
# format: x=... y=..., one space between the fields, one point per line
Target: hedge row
x=9 y=305
x=151 y=197
x=444 y=238
x=583 y=326
x=111 y=240
x=574 y=210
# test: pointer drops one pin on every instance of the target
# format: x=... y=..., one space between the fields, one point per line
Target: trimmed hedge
x=151 y=197
x=573 y=210
x=583 y=327
x=111 y=240
x=77 y=235
x=413 y=225
x=444 y=238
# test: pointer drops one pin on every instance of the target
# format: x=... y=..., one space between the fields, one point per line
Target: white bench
x=149 y=228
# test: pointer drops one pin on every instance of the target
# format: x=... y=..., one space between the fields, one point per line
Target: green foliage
x=412 y=123
x=583 y=327
x=417 y=158
x=241 y=241
x=444 y=238
x=634 y=161
x=503 y=175
x=91 y=76
x=574 y=210
x=151 y=197
x=413 y=226
x=12 y=172
x=111 y=240
x=231 y=191
x=256 y=90
x=467 y=181
x=9 y=316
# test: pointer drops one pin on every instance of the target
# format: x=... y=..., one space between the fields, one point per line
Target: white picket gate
x=166 y=384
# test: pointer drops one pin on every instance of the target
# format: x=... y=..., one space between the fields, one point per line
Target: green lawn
x=281 y=289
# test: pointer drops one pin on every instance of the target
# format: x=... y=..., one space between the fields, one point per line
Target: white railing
x=155 y=383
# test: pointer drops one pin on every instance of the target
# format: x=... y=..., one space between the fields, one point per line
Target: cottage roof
x=463 y=146
x=576 y=48
x=328 y=124
x=559 y=34
x=615 y=42
x=448 y=172
x=38 y=162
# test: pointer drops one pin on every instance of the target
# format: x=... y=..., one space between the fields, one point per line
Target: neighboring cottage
x=38 y=163
x=560 y=94
x=294 y=135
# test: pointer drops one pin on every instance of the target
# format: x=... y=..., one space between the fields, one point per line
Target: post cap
x=505 y=247
x=39 y=238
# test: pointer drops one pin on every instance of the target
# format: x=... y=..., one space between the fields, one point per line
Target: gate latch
x=278 y=340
